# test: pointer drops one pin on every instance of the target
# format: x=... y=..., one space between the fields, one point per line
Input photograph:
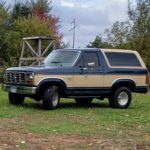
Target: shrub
x=1 y=77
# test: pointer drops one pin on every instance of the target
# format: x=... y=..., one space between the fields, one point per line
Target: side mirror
x=91 y=65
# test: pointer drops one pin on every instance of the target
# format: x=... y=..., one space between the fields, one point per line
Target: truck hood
x=41 y=69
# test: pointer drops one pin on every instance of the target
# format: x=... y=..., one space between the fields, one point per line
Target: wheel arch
x=51 y=82
x=129 y=83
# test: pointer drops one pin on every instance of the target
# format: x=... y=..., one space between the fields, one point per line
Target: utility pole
x=74 y=31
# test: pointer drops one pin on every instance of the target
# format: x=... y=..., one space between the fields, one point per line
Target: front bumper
x=19 y=89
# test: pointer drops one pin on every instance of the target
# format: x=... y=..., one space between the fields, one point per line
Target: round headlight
x=31 y=76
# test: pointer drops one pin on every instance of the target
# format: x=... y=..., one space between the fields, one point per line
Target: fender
x=56 y=80
x=124 y=81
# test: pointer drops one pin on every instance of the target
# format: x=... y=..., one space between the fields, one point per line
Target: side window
x=90 y=58
x=122 y=59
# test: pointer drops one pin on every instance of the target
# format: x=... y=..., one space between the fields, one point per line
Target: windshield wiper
x=56 y=62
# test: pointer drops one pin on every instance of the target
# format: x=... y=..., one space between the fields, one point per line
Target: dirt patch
x=11 y=140
x=18 y=140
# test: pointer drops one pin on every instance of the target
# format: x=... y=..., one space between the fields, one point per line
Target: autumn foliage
x=42 y=11
x=27 y=18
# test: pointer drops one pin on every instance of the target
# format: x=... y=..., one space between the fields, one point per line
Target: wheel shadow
x=75 y=106
x=32 y=105
x=65 y=105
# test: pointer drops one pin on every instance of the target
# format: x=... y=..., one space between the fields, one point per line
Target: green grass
x=128 y=124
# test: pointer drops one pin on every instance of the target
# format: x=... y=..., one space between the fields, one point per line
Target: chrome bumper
x=19 y=89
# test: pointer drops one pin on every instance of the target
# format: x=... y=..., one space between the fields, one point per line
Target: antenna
x=74 y=31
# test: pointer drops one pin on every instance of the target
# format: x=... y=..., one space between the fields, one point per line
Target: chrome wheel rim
x=123 y=98
x=55 y=99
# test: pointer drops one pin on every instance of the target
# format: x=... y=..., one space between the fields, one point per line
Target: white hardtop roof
x=119 y=50
x=124 y=51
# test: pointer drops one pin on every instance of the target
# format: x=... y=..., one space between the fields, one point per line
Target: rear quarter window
x=122 y=59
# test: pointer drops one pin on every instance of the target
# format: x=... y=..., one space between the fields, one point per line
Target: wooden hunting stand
x=33 y=52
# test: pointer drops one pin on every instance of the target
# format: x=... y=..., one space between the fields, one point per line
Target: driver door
x=89 y=74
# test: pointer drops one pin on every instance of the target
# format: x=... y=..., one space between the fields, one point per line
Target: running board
x=99 y=97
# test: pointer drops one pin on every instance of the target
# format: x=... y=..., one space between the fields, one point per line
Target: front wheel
x=51 y=98
x=121 y=98
x=15 y=98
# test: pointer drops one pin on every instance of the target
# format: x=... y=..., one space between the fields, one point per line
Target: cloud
x=89 y=23
x=92 y=17
x=67 y=3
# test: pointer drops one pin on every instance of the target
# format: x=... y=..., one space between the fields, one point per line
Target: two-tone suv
x=82 y=74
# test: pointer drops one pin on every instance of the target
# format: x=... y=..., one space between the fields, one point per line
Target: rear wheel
x=15 y=98
x=121 y=98
x=83 y=101
x=51 y=98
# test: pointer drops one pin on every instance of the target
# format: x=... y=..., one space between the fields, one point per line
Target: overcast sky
x=92 y=17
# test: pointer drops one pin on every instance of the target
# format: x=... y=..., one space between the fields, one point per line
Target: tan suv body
x=82 y=74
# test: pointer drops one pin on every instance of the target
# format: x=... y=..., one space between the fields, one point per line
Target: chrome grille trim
x=16 y=77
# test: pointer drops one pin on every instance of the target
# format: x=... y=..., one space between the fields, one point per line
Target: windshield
x=62 y=58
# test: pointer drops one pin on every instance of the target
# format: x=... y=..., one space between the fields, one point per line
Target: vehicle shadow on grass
x=31 y=105
x=66 y=105
x=74 y=105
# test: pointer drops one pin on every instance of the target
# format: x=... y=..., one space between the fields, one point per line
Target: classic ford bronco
x=82 y=74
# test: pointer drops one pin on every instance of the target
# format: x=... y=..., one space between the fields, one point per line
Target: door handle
x=84 y=69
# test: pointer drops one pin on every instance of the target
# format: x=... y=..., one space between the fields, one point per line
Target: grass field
x=73 y=127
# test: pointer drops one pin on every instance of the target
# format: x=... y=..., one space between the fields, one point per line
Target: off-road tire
x=121 y=98
x=51 y=98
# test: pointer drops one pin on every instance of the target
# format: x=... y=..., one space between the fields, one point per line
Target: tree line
x=131 y=34
x=34 y=17
x=28 y=18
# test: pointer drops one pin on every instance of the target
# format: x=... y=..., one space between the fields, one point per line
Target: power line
x=74 y=31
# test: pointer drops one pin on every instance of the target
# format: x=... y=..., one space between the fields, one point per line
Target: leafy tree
x=21 y=28
x=42 y=9
x=118 y=35
x=132 y=34
x=4 y=27
x=98 y=43
x=135 y=33
x=21 y=10
x=23 y=21
x=140 y=21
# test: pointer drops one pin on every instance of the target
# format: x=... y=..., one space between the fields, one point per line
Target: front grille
x=16 y=77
